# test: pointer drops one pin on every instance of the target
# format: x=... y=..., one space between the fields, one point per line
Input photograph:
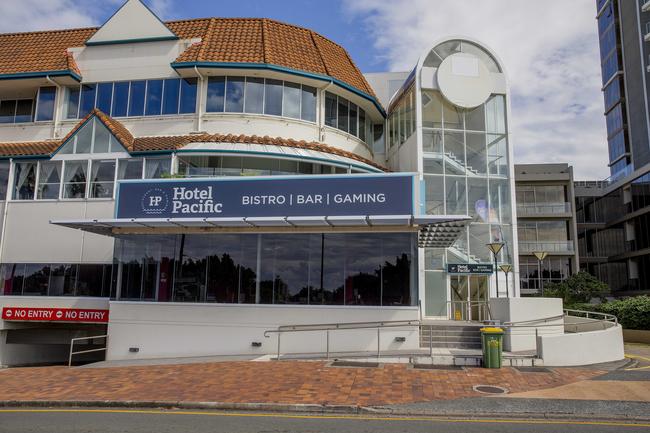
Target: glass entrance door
x=469 y=296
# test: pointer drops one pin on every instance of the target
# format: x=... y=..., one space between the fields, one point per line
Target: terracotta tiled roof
x=168 y=143
x=227 y=40
x=39 y=51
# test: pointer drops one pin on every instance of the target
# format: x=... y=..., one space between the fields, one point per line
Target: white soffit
x=132 y=22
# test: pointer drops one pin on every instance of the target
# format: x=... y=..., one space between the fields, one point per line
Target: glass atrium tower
x=449 y=123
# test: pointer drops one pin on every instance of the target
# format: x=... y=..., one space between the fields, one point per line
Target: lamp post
x=506 y=270
x=541 y=255
x=495 y=247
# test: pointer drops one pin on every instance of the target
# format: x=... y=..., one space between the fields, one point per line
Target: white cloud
x=29 y=15
x=550 y=52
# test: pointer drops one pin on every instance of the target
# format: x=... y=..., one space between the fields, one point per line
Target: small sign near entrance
x=469 y=268
x=26 y=314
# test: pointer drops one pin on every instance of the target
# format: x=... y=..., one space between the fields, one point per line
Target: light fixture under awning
x=436 y=231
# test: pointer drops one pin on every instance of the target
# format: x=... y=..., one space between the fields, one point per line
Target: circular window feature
x=464 y=80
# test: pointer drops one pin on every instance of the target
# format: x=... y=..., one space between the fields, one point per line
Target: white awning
x=434 y=230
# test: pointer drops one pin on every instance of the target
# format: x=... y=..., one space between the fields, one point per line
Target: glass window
x=362 y=125
x=136 y=98
x=73 y=102
x=216 y=94
x=49 y=180
x=24 y=110
x=129 y=168
x=120 y=99
x=396 y=270
x=13 y=275
x=235 y=95
x=497 y=155
x=454 y=153
x=308 y=104
x=92 y=281
x=102 y=138
x=259 y=166
x=362 y=279
x=104 y=97
x=435 y=195
x=46 y=97
x=330 y=110
x=353 y=119
x=273 y=97
x=231 y=166
x=475 y=119
x=36 y=279
x=154 y=97
x=88 y=93
x=456 y=195
x=4 y=179
x=102 y=178
x=24 y=180
x=254 y=102
x=75 y=175
x=453 y=116
x=170 y=96
x=343 y=115
x=7 y=111
x=477 y=194
x=63 y=279
x=188 y=95
x=291 y=102
x=431 y=109
x=476 y=153
x=156 y=168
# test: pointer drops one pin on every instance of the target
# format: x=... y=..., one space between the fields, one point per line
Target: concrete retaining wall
x=583 y=348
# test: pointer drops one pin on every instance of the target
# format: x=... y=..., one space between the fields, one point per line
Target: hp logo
x=155 y=201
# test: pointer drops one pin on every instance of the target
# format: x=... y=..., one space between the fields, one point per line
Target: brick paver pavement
x=290 y=382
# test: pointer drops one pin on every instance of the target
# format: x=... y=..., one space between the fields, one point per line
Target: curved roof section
x=258 y=41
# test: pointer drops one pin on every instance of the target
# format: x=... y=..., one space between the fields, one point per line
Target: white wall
x=28 y=236
x=583 y=348
x=180 y=330
x=531 y=311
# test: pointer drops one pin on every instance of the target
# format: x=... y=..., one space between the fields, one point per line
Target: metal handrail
x=607 y=317
x=85 y=351
x=327 y=327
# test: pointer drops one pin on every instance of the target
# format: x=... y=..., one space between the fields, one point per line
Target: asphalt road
x=141 y=421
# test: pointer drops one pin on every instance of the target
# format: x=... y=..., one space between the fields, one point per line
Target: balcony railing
x=543 y=209
x=549 y=247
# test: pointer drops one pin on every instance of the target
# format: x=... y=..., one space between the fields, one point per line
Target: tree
x=578 y=288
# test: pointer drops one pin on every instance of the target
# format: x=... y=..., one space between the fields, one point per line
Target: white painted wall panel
x=162 y=330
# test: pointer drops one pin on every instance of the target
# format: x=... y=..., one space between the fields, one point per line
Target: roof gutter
x=23 y=75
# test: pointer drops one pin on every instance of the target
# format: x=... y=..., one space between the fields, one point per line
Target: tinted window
x=4 y=179
x=188 y=95
x=235 y=95
x=353 y=119
x=154 y=97
x=273 y=98
x=120 y=99
x=73 y=102
x=291 y=105
x=254 y=95
x=170 y=97
x=7 y=111
x=46 y=97
x=104 y=97
x=88 y=92
x=216 y=94
x=24 y=110
x=343 y=115
x=136 y=103
x=330 y=110
x=308 y=104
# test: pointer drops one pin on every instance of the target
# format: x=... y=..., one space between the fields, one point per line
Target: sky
x=549 y=49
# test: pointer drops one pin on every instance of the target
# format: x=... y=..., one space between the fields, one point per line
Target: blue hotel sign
x=267 y=197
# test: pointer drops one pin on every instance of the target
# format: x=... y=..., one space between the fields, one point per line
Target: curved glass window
x=192 y=165
x=347 y=117
x=447 y=48
x=261 y=96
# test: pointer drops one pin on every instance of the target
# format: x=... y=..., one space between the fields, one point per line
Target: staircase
x=459 y=165
x=451 y=336
x=462 y=253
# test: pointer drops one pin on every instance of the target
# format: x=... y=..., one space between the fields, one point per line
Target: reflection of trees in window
x=396 y=281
